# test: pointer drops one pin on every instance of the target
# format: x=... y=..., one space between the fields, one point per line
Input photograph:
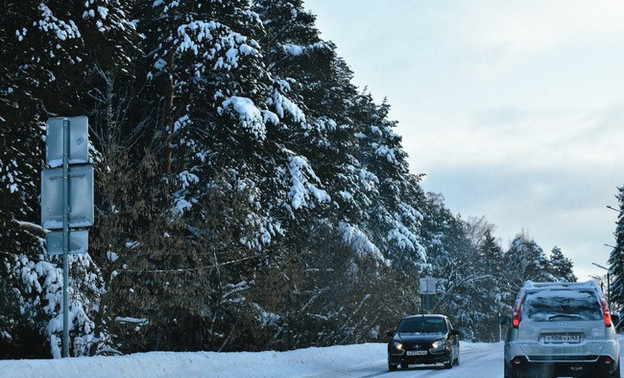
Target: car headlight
x=438 y=344
x=397 y=345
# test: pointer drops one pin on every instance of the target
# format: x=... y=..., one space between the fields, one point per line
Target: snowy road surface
x=478 y=360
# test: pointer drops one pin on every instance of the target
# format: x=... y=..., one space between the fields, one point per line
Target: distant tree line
x=248 y=195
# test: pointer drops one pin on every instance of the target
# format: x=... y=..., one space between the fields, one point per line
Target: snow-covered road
x=478 y=360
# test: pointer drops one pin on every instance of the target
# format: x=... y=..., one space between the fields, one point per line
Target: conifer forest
x=248 y=196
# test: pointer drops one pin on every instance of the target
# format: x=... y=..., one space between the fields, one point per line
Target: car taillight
x=605 y=312
x=517 y=314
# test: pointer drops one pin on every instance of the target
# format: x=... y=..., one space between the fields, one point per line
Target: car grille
x=417 y=347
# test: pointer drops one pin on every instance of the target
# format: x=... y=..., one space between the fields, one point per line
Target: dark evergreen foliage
x=526 y=261
x=616 y=260
x=248 y=195
x=560 y=267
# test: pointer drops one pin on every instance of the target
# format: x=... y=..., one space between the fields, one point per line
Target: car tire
x=508 y=372
x=392 y=367
x=449 y=365
x=616 y=373
x=456 y=363
x=404 y=365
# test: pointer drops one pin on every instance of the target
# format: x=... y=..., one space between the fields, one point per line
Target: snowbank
x=302 y=362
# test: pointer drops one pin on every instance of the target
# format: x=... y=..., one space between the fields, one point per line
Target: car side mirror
x=504 y=320
x=455 y=332
x=390 y=333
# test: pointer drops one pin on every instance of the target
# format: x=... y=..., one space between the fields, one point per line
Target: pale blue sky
x=513 y=109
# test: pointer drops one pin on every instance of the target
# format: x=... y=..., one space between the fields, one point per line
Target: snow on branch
x=194 y=35
x=61 y=29
x=298 y=50
x=283 y=106
x=249 y=115
x=304 y=183
x=360 y=242
x=410 y=213
x=404 y=239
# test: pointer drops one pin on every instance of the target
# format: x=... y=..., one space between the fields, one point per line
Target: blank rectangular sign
x=427 y=285
x=80 y=197
x=78 y=242
x=78 y=140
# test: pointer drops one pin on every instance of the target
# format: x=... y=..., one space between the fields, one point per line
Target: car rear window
x=422 y=325
x=569 y=305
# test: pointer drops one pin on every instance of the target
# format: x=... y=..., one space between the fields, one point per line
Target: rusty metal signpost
x=67 y=196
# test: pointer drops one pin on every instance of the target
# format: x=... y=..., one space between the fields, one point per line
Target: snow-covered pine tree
x=450 y=259
x=616 y=259
x=392 y=194
x=23 y=330
x=349 y=143
x=560 y=267
x=309 y=71
x=21 y=113
x=192 y=52
x=300 y=63
x=525 y=260
x=216 y=126
x=487 y=299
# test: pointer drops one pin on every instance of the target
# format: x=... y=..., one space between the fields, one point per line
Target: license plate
x=562 y=339
x=416 y=352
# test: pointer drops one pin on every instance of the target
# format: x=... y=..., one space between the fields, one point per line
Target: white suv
x=561 y=329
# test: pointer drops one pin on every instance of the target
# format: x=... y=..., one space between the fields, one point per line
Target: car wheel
x=392 y=367
x=449 y=365
x=508 y=372
x=404 y=365
x=616 y=373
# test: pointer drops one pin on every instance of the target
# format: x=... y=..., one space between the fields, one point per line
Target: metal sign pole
x=66 y=209
x=67 y=145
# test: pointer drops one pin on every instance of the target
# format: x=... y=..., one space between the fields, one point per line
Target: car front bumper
x=396 y=358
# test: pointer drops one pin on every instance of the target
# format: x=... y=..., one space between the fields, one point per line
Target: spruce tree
x=560 y=267
x=487 y=301
x=616 y=259
x=350 y=145
x=526 y=261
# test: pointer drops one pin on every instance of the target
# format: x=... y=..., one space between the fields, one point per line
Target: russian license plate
x=416 y=352
x=562 y=338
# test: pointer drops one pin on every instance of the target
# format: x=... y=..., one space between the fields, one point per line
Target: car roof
x=426 y=316
x=587 y=285
x=535 y=287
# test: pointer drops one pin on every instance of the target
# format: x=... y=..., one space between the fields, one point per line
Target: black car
x=423 y=339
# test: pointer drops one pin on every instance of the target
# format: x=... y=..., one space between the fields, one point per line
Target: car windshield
x=422 y=325
x=562 y=305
